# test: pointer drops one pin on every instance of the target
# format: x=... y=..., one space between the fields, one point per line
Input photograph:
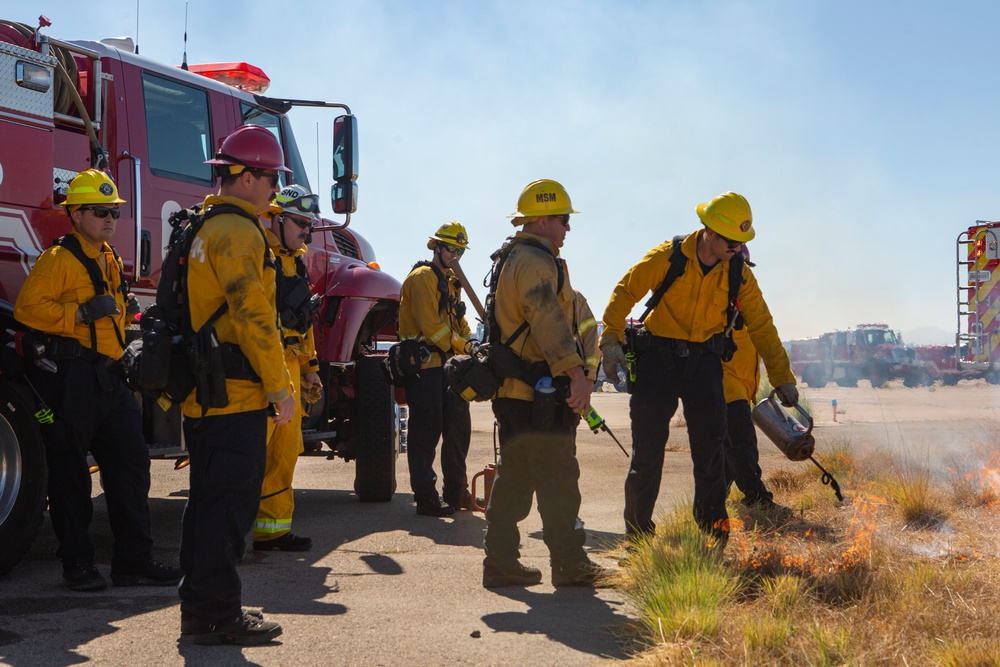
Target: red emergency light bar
x=238 y=75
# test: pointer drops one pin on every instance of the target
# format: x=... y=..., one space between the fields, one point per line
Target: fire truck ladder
x=976 y=338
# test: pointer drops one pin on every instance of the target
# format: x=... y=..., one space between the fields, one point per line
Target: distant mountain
x=928 y=336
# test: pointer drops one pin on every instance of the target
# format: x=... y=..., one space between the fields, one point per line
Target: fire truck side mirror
x=344 y=193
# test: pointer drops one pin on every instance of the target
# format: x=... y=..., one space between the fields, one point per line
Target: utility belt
x=673 y=350
x=61 y=348
x=236 y=365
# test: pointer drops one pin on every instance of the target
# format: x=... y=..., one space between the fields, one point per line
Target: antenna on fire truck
x=184 y=61
x=137 y=26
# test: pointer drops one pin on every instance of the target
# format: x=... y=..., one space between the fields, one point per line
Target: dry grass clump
x=901 y=573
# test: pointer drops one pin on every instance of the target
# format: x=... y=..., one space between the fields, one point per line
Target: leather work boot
x=436 y=507
x=287 y=542
x=463 y=502
x=581 y=573
x=84 y=577
x=190 y=627
x=152 y=573
x=497 y=574
x=247 y=630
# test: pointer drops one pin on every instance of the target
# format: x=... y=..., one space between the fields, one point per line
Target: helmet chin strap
x=438 y=259
x=281 y=236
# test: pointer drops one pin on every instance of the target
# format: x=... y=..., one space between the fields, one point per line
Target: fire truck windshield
x=879 y=337
x=282 y=129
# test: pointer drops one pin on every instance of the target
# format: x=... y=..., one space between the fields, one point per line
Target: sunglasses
x=301 y=222
x=564 y=219
x=260 y=173
x=454 y=249
x=103 y=211
x=731 y=244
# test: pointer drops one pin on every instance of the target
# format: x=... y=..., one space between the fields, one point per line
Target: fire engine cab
x=67 y=106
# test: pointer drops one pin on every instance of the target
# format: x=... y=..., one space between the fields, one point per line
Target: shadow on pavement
x=576 y=618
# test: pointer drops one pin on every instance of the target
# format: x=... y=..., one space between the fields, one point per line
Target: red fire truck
x=869 y=351
x=66 y=106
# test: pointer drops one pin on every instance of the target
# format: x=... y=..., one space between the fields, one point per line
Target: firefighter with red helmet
x=77 y=297
x=539 y=402
x=431 y=310
x=293 y=213
x=232 y=281
x=679 y=357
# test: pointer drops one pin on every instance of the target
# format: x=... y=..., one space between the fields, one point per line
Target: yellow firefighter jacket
x=526 y=292
x=298 y=348
x=227 y=264
x=741 y=374
x=694 y=308
x=422 y=316
x=58 y=284
x=586 y=335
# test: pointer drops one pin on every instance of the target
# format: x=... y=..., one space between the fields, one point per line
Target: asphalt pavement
x=381 y=586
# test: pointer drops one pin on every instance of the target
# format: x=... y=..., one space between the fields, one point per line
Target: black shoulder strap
x=93 y=268
x=441 y=280
x=733 y=318
x=196 y=224
x=499 y=259
x=678 y=260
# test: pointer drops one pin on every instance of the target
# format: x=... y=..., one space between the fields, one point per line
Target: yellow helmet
x=92 y=187
x=452 y=233
x=728 y=215
x=543 y=197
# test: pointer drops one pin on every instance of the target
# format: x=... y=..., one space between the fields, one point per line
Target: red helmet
x=251 y=146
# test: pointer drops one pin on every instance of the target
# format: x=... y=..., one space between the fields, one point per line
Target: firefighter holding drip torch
x=679 y=356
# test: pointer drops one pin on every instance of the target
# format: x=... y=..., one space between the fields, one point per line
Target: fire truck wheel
x=917 y=378
x=814 y=376
x=374 y=418
x=877 y=377
x=22 y=476
x=849 y=380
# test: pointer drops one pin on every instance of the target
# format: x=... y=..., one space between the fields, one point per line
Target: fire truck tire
x=813 y=376
x=22 y=476
x=877 y=377
x=374 y=420
x=917 y=378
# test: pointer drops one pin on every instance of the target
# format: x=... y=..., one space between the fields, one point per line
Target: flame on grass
x=806 y=553
x=988 y=479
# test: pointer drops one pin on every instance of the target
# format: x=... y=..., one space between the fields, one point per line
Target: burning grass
x=902 y=573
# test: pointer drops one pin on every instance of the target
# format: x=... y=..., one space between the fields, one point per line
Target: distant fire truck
x=872 y=352
x=66 y=106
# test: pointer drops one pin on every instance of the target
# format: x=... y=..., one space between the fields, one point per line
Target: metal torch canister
x=793 y=439
x=488 y=474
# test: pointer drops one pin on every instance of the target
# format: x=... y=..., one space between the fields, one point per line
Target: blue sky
x=862 y=133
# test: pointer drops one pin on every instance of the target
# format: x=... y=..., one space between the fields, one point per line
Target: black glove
x=98 y=307
x=132 y=307
x=788 y=395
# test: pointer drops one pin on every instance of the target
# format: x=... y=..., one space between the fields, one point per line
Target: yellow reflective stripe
x=272 y=525
x=440 y=334
x=593 y=361
x=587 y=325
